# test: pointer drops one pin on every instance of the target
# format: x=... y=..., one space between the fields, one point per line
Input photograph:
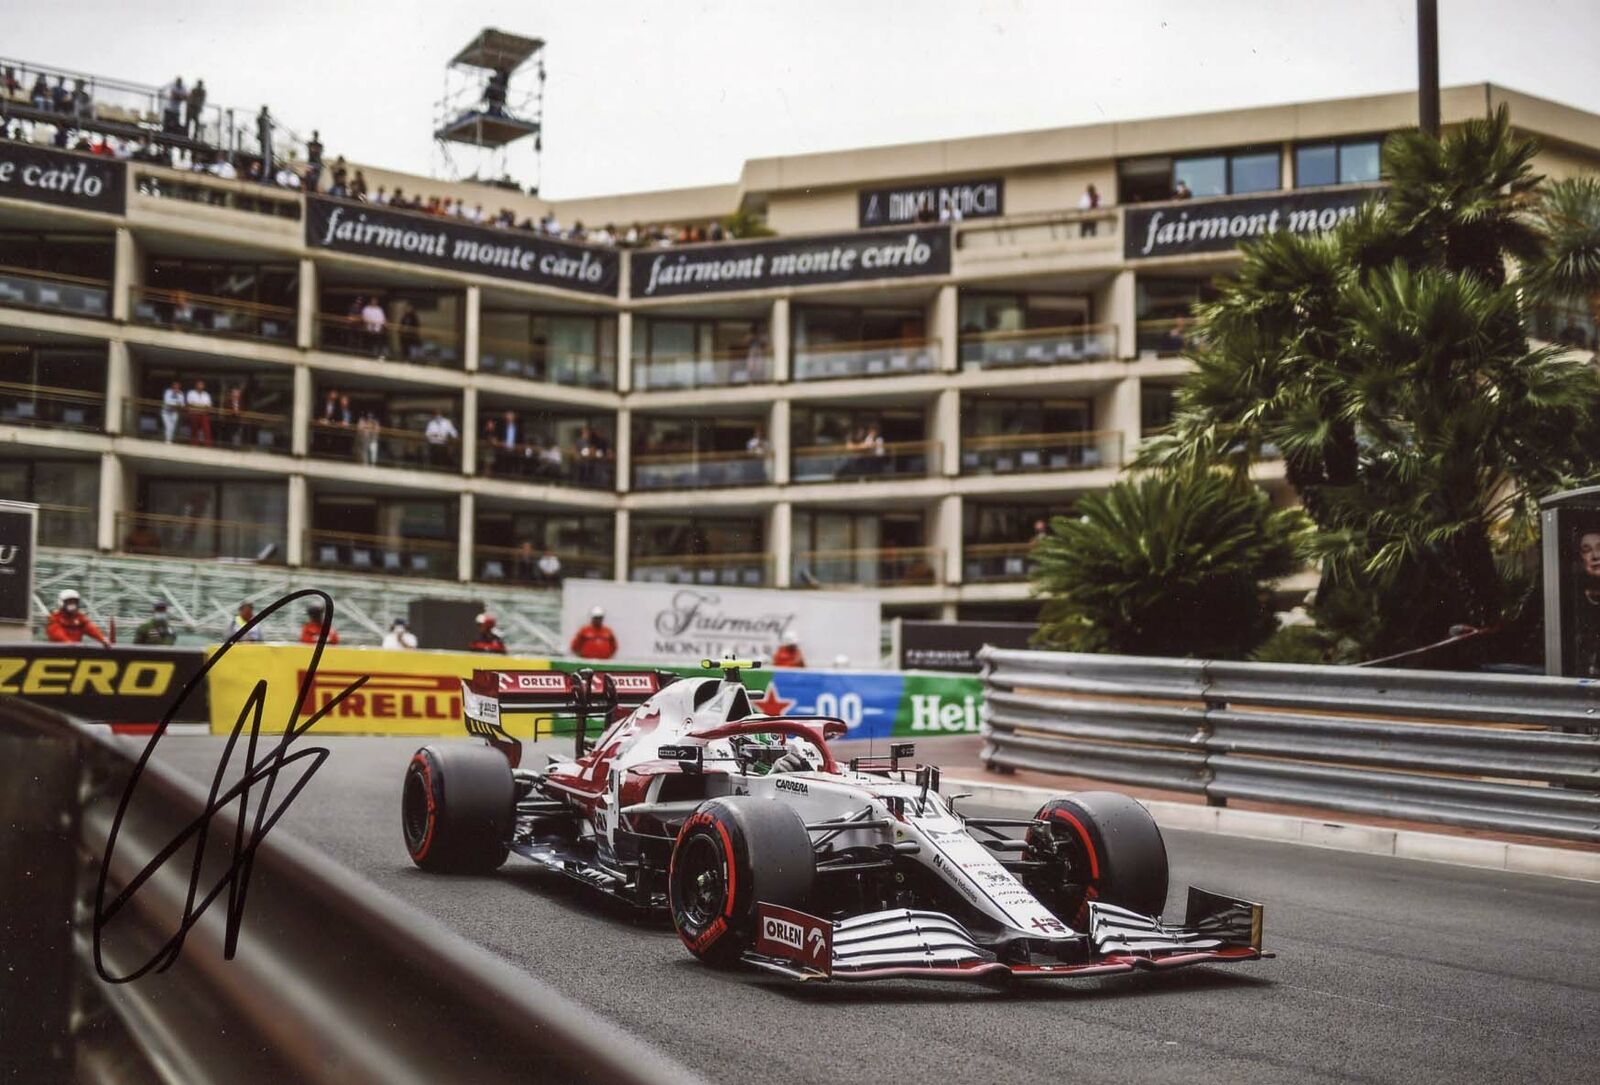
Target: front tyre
x=457 y=807
x=1097 y=845
x=730 y=855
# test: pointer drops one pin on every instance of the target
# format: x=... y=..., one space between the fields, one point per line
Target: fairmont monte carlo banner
x=364 y=230
x=1215 y=225
x=783 y=261
x=84 y=181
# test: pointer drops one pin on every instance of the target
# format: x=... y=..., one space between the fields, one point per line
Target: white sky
x=646 y=95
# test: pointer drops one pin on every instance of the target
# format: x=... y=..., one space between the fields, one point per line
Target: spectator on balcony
x=758 y=445
x=40 y=94
x=314 y=161
x=141 y=539
x=195 y=108
x=525 y=566
x=69 y=624
x=60 y=96
x=311 y=631
x=487 y=639
x=1090 y=201
x=9 y=80
x=199 y=403
x=82 y=102
x=1180 y=191
x=330 y=410
x=788 y=653
x=182 y=309
x=400 y=637
x=591 y=449
x=551 y=461
x=410 y=332
x=156 y=629
x=172 y=404
x=595 y=640
x=1174 y=338
x=241 y=618
x=368 y=433
x=230 y=419
x=264 y=136
x=358 y=186
x=549 y=568
x=349 y=334
x=175 y=94
x=440 y=434
x=373 y=322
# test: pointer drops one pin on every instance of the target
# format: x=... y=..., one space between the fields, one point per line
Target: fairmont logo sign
x=966 y=199
x=87 y=182
x=1220 y=224
x=754 y=265
x=412 y=238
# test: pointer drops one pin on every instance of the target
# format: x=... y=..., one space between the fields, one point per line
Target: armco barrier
x=1514 y=753
x=334 y=980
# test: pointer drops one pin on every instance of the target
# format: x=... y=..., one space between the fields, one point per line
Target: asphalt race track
x=1390 y=970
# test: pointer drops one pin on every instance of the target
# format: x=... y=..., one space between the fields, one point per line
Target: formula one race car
x=770 y=853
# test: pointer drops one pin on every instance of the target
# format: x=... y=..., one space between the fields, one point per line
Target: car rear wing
x=577 y=695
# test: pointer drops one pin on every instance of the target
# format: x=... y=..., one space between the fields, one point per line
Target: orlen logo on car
x=792 y=935
x=515 y=682
x=387 y=696
x=633 y=683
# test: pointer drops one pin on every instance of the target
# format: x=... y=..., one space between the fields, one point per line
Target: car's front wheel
x=730 y=855
x=1097 y=845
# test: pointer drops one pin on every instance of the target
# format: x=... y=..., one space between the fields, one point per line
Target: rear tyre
x=457 y=808
x=731 y=854
x=1098 y=845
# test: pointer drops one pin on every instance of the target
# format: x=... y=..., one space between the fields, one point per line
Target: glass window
x=1141 y=180
x=1359 y=162
x=1256 y=171
x=1155 y=407
x=1316 y=165
x=1206 y=176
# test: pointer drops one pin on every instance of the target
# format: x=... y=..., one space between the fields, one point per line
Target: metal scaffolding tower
x=493 y=98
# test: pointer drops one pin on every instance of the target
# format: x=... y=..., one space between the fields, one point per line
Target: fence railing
x=199 y=537
x=992 y=562
x=218 y=427
x=1505 y=752
x=31 y=288
x=700 y=470
x=1168 y=337
x=57 y=408
x=387 y=554
x=894 y=459
x=390 y=340
x=344 y=965
x=730 y=570
x=514 y=565
x=887 y=566
x=881 y=358
x=380 y=446
x=548 y=464
x=1039 y=346
x=71 y=527
x=720 y=370
x=539 y=362
x=181 y=310
x=210 y=191
x=1025 y=453
x=1048 y=233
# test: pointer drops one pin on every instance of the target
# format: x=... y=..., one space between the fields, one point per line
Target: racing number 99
x=847 y=707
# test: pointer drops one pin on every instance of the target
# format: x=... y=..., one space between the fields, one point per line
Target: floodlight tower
x=493 y=97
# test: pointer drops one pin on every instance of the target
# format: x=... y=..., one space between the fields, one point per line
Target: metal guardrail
x=1507 y=752
x=335 y=980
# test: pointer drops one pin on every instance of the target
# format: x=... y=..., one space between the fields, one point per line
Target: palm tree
x=1566 y=273
x=1169 y=564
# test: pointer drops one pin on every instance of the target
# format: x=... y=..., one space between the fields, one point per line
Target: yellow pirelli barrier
x=406 y=693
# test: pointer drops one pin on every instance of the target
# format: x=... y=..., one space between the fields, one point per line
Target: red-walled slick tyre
x=731 y=854
x=1097 y=845
x=457 y=808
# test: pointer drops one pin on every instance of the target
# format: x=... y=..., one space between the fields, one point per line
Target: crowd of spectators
x=367 y=328
x=208 y=422
x=508 y=449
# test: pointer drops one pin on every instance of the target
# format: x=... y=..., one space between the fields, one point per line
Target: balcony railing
x=993 y=562
x=387 y=555
x=832 y=463
x=721 y=370
x=183 y=311
x=199 y=537
x=1049 y=233
x=1039 y=346
x=30 y=288
x=1022 y=453
x=726 y=570
x=380 y=446
x=886 y=566
x=72 y=527
x=390 y=342
x=700 y=470
x=151 y=420
x=551 y=465
x=56 y=408
x=214 y=192
x=1166 y=338
x=517 y=358
x=881 y=358
x=516 y=566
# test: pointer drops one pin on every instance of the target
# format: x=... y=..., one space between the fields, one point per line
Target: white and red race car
x=770 y=853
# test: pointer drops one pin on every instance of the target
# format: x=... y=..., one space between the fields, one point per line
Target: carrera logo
x=514 y=682
x=792 y=935
x=47 y=676
x=386 y=696
x=792 y=785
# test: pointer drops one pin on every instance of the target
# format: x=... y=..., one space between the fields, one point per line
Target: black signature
x=236 y=879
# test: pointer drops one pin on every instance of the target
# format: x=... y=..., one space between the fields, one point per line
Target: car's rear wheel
x=1097 y=845
x=730 y=855
x=457 y=807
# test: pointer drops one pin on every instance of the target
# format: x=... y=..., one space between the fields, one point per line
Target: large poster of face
x=1580 y=568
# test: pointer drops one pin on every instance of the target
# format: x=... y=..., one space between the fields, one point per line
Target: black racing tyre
x=457 y=808
x=1099 y=845
x=731 y=854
